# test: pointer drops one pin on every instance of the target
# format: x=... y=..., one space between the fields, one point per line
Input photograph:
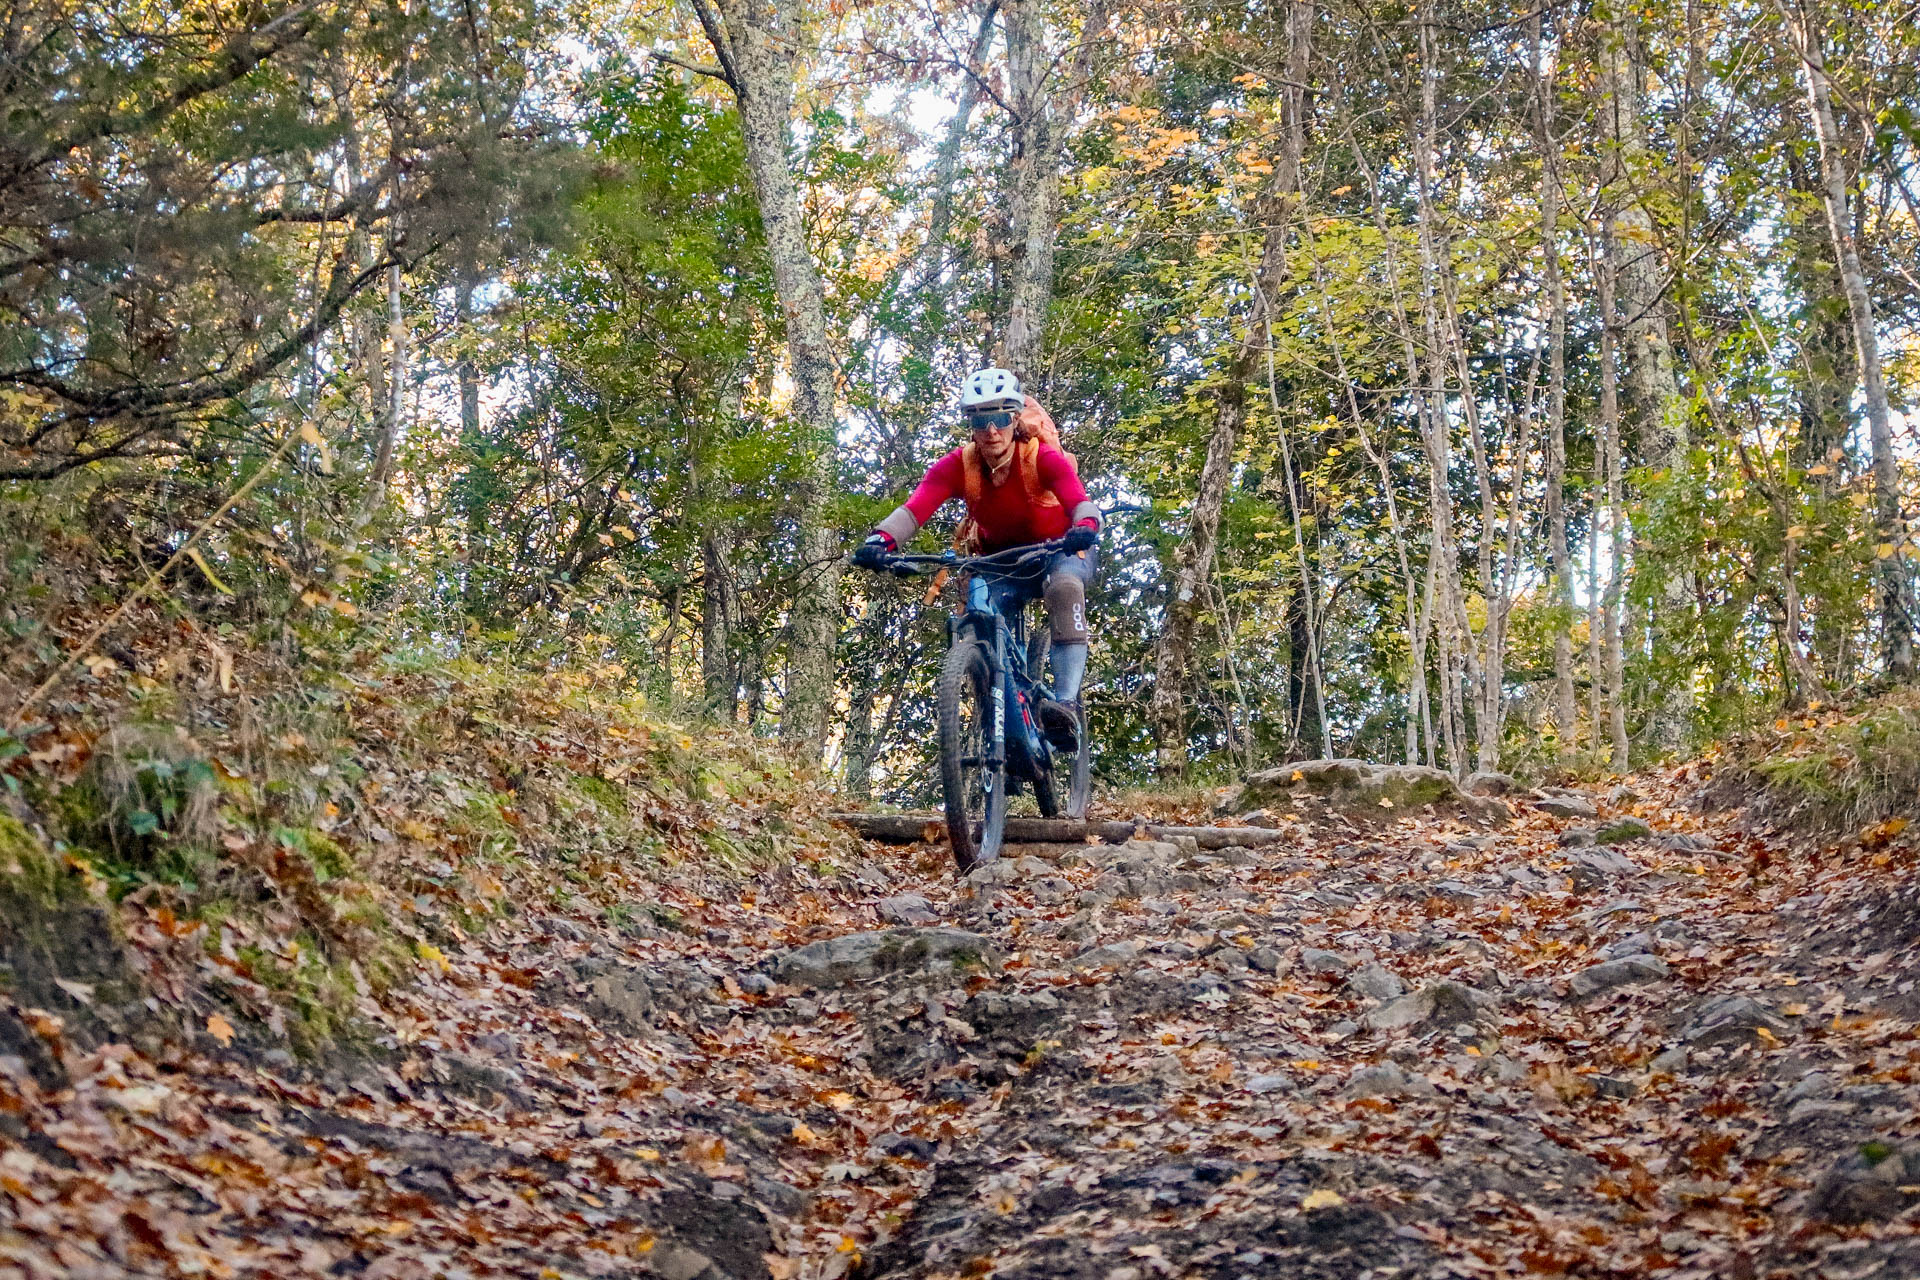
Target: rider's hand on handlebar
x=873 y=553
x=1079 y=538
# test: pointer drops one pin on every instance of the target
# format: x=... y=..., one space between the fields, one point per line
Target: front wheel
x=976 y=791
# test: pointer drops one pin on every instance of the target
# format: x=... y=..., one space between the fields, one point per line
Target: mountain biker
x=1020 y=488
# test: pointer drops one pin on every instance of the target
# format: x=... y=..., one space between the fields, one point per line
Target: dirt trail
x=1428 y=1050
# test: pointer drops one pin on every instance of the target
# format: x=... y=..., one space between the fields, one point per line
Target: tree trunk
x=1560 y=562
x=382 y=472
x=1419 y=698
x=755 y=42
x=1895 y=608
x=858 y=764
x=719 y=674
x=1610 y=637
x=1041 y=113
x=1303 y=700
x=1309 y=610
x=1827 y=366
x=468 y=379
x=1396 y=528
x=1033 y=212
x=946 y=165
x=1193 y=558
x=1455 y=632
x=1653 y=404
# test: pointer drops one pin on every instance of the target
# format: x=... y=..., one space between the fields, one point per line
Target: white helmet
x=992 y=389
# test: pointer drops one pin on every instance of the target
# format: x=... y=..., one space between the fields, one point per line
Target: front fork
x=997 y=675
x=1000 y=679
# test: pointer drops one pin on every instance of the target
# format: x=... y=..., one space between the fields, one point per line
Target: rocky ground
x=1615 y=1037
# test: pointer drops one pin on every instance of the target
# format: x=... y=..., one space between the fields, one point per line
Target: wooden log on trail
x=906 y=828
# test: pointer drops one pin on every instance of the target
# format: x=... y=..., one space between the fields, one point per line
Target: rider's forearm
x=1084 y=511
x=900 y=526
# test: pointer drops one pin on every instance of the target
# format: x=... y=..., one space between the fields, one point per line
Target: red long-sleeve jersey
x=1004 y=516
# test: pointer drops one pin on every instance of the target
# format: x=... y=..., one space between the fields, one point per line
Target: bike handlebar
x=995 y=563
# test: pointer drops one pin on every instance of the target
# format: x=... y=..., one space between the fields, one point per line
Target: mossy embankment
x=1828 y=772
x=246 y=860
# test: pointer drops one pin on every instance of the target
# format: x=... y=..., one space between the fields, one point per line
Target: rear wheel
x=976 y=793
x=1075 y=772
x=1066 y=790
x=1046 y=791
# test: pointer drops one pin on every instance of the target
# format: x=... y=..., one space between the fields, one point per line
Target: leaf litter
x=559 y=1094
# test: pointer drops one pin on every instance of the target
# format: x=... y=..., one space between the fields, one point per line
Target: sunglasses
x=982 y=421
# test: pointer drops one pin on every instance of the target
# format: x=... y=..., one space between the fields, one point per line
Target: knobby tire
x=1066 y=788
x=976 y=795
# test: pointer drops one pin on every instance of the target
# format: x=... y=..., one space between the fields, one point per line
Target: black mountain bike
x=991 y=741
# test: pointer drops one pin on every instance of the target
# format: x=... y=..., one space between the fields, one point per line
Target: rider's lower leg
x=1058 y=714
x=1065 y=592
x=1069 y=668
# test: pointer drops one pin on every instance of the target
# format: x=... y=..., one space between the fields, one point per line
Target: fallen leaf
x=81 y=991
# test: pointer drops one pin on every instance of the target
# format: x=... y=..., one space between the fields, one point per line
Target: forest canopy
x=1489 y=387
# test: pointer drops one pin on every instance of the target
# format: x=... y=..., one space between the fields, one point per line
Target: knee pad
x=1066 y=597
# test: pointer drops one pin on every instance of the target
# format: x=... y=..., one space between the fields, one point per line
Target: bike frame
x=1020 y=747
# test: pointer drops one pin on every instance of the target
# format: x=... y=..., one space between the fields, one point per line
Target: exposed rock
x=672 y=1262
x=623 y=998
x=1613 y=1087
x=1623 y=830
x=1733 y=1020
x=1266 y=960
x=1617 y=973
x=1563 y=804
x=1489 y=782
x=1324 y=964
x=905 y=1145
x=787 y=1201
x=1377 y=982
x=1814 y=1084
x=1114 y=955
x=1361 y=789
x=1637 y=943
x=1388 y=1080
x=1078 y=927
x=1436 y=1007
x=60 y=950
x=1229 y=960
x=855 y=957
x=1871 y=1184
x=1577 y=838
x=907 y=908
x=485 y=1082
x=990 y=874
x=1670 y=1062
x=1594 y=867
x=1136 y=857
